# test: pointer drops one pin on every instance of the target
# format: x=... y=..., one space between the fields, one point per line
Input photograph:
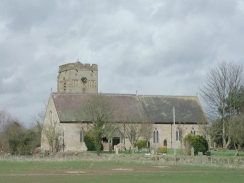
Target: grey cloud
x=154 y=47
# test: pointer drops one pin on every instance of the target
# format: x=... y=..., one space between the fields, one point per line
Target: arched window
x=155 y=136
x=193 y=131
x=165 y=142
x=178 y=134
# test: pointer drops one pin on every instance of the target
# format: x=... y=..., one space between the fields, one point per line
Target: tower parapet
x=77 y=66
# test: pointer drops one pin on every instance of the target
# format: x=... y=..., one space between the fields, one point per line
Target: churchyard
x=88 y=167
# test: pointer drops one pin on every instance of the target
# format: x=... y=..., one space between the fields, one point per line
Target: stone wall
x=51 y=120
x=166 y=132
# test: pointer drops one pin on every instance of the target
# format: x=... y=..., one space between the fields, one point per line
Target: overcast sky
x=156 y=47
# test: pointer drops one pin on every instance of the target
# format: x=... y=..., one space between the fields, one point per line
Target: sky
x=156 y=47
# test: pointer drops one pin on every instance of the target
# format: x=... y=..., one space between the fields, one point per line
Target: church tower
x=78 y=78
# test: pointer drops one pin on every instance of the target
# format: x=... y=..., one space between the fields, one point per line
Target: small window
x=165 y=142
x=64 y=86
x=193 y=131
x=177 y=135
x=81 y=137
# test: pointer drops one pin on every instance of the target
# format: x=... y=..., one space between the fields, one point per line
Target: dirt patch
x=123 y=169
x=161 y=166
x=75 y=172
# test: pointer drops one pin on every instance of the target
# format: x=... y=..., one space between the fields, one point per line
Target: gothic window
x=193 y=132
x=178 y=134
x=155 y=136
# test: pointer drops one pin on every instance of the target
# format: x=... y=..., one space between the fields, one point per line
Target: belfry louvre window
x=155 y=136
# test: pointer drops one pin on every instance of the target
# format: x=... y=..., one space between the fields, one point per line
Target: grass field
x=111 y=171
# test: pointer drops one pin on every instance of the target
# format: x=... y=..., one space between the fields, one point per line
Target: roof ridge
x=185 y=96
x=112 y=94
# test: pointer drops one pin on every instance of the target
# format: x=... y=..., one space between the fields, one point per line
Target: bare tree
x=109 y=132
x=220 y=91
x=38 y=125
x=52 y=134
x=99 y=109
x=136 y=127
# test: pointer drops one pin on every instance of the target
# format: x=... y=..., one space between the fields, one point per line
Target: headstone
x=152 y=151
x=192 y=151
x=200 y=154
x=117 y=150
x=136 y=149
x=208 y=153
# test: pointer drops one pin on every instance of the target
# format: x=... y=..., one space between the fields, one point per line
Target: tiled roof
x=160 y=109
x=157 y=109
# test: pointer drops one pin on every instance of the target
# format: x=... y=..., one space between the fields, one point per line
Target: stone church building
x=77 y=82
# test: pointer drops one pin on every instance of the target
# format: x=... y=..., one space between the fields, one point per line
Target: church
x=66 y=122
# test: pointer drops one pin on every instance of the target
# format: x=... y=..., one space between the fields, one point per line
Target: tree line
x=15 y=138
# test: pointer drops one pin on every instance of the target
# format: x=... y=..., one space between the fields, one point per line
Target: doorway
x=116 y=140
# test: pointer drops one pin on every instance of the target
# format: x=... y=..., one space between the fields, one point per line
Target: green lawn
x=111 y=171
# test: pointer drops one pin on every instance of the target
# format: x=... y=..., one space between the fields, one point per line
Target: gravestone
x=116 y=148
x=136 y=149
x=200 y=154
x=208 y=153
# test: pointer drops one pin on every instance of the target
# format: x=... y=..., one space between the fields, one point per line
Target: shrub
x=198 y=142
x=89 y=141
x=141 y=144
x=162 y=149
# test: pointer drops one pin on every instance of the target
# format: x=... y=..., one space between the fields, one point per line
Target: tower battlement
x=78 y=66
